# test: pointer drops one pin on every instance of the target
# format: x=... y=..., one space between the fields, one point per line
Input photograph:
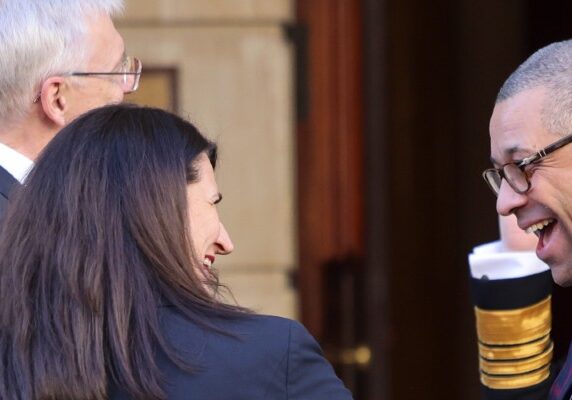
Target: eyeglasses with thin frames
x=128 y=72
x=514 y=172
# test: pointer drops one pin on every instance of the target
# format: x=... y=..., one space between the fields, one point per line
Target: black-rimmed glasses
x=128 y=72
x=514 y=172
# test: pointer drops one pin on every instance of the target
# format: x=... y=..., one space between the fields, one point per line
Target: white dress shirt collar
x=17 y=165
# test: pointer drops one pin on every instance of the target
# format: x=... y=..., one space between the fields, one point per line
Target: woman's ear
x=53 y=99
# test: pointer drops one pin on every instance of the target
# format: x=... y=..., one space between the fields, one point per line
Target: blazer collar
x=7 y=182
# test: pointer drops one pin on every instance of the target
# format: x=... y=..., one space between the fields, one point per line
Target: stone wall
x=234 y=80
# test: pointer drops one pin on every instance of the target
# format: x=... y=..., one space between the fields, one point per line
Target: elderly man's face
x=516 y=131
x=106 y=52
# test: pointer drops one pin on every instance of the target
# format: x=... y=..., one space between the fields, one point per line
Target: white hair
x=39 y=39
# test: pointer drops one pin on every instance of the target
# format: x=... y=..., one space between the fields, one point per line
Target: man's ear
x=53 y=99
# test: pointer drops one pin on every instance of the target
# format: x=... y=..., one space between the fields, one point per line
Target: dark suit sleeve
x=513 y=319
x=7 y=182
x=310 y=375
x=3 y=206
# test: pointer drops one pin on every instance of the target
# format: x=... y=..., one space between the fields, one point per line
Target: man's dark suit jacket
x=268 y=358
x=7 y=182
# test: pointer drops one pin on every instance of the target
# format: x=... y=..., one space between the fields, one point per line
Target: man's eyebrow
x=218 y=199
x=510 y=152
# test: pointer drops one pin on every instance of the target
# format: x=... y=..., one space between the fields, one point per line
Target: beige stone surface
x=198 y=10
x=235 y=84
x=265 y=292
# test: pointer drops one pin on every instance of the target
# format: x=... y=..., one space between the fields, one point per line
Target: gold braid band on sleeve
x=514 y=345
x=517 y=381
x=514 y=351
x=514 y=367
x=506 y=327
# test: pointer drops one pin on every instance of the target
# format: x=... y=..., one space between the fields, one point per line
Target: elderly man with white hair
x=59 y=58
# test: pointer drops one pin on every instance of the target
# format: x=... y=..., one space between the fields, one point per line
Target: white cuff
x=493 y=261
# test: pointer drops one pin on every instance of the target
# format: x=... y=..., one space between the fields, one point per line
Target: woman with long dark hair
x=106 y=281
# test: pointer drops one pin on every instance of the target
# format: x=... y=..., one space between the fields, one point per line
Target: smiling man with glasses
x=530 y=133
x=515 y=172
x=66 y=57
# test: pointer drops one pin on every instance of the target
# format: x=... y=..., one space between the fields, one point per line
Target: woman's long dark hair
x=95 y=241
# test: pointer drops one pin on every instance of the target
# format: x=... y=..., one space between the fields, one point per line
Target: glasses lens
x=516 y=178
x=136 y=67
x=493 y=179
x=132 y=70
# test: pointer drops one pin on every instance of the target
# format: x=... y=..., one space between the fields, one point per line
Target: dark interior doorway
x=398 y=114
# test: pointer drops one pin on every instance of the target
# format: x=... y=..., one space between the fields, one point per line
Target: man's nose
x=508 y=201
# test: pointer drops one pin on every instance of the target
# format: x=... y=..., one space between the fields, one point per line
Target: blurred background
x=352 y=135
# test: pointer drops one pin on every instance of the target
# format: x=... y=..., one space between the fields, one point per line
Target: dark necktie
x=563 y=381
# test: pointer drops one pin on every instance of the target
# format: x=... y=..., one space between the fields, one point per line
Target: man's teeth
x=207 y=262
x=538 y=226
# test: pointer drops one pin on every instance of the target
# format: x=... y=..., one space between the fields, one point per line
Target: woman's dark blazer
x=266 y=358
